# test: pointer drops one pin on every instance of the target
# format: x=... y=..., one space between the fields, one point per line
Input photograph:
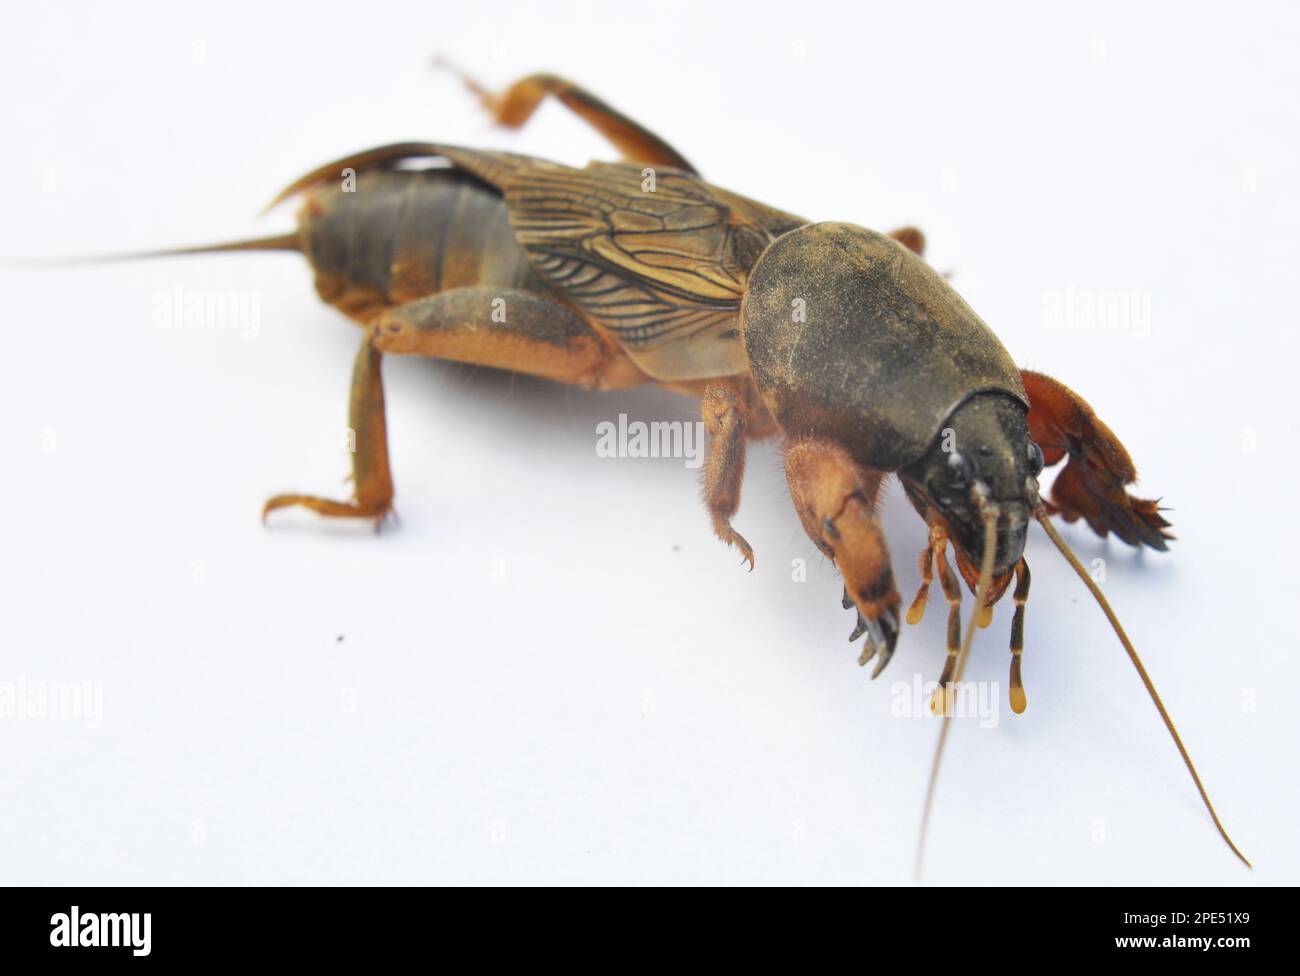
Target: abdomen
x=403 y=235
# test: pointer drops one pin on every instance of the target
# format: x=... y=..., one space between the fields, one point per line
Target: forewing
x=659 y=261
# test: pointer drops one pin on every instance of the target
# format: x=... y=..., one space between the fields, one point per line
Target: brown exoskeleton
x=840 y=340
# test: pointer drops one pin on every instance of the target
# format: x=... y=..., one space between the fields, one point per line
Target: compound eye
x=959 y=470
x=1035 y=460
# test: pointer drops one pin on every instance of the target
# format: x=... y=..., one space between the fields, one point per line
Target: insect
x=839 y=340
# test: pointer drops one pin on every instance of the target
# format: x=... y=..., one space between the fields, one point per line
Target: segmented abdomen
x=402 y=235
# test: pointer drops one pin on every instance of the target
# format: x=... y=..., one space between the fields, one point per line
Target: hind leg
x=500 y=328
x=371 y=478
x=513 y=107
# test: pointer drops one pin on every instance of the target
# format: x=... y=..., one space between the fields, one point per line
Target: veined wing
x=658 y=259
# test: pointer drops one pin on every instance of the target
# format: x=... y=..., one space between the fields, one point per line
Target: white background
x=309 y=702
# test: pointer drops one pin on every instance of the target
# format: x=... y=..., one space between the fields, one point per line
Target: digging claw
x=885 y=657
x=887 y=629
x=882 y=634
x=848 y=600
x=882 y=637
x=860 y=629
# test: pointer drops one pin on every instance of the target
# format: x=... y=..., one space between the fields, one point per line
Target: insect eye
x=1035 y=460
x=959 y=470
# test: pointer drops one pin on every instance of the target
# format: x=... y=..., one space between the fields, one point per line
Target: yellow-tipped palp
x=989 y=513
x=1019 y=702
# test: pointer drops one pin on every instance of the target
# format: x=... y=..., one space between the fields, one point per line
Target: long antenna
x=1043 y=519
x=990 y=515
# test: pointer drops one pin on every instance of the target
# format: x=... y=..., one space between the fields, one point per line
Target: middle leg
x=727 y=421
